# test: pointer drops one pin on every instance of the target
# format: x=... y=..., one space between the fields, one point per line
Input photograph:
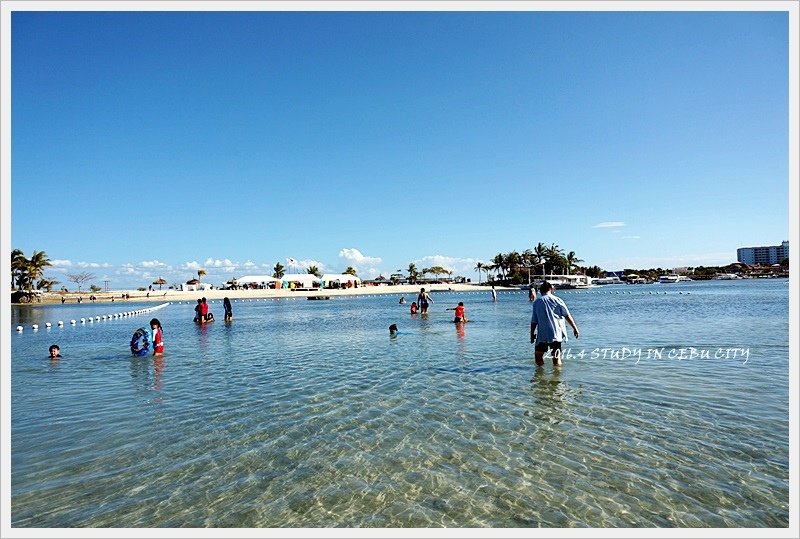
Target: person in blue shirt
x=547 y=324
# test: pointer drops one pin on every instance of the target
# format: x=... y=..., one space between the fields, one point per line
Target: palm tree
x=499 y=263
x=437 y=270
x=314 y=270
x=351 y=271
x=540 y=256
x=278 y=270
x=513 y=261
x=529 y=261
x=412 y=273
x=36 y=265
x=479 y=267
x=555 y=257
x=200 y=274
x=19 y=265
x=572 y=261
x=46 y=284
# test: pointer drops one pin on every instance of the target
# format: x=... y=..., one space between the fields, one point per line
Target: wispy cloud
x=609 y=224
x=630 y=237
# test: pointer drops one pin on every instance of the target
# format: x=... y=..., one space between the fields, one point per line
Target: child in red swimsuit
x=158 y=337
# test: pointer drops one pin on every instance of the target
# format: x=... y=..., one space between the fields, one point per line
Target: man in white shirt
x=547 y=324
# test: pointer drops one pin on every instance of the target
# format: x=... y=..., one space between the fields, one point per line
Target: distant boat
x=669 y=279
x=633 y=278
x=726 y=276
x=607 y=280
x=565 y=282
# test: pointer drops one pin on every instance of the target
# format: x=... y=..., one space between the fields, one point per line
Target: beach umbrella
x=159 y=282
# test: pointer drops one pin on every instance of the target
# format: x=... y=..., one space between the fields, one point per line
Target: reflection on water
x=304 y=414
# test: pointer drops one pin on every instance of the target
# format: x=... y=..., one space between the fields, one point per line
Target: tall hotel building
x=763 y=256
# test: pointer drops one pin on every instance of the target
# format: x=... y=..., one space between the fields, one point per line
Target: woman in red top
x=158 y=337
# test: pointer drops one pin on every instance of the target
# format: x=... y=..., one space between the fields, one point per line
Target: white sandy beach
x=409 y=291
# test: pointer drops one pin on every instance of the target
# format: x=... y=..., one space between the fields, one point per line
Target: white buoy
x=83 y=320
x=60 y=323
x=90 y=319
x=48 y=325
x=72 y=322
x=20 y=328
x=97 y=317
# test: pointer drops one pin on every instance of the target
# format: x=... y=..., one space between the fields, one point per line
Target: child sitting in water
x=413 y=307
x=460 y=314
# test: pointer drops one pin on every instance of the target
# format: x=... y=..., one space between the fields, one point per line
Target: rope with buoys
x=60 y=323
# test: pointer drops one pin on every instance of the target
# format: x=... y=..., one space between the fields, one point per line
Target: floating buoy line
x=99 y=318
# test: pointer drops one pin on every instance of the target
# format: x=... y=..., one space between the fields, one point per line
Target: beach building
x=194 y=285
x=763 y=256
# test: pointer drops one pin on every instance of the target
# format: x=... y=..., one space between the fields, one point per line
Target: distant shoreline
x=409 y=291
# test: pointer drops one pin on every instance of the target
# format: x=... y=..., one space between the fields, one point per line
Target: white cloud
x=61 y=263
x=370 y=273
x=152 y=264
x=226 y=264
x=193 y=266
x=310 y=262
x=630 y=237
x=609 y=224
x=354 y=258
x=250 y=264
x=128 y=269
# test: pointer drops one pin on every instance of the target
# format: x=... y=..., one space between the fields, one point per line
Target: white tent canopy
x=258 y=279
x=306 y=280
x=341 y=278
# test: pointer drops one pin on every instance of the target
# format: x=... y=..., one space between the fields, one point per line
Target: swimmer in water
x=55 y=352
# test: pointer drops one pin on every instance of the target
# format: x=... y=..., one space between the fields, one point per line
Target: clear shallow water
x=308 y=414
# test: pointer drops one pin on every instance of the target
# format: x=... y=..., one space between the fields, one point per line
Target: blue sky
x=157 y=143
